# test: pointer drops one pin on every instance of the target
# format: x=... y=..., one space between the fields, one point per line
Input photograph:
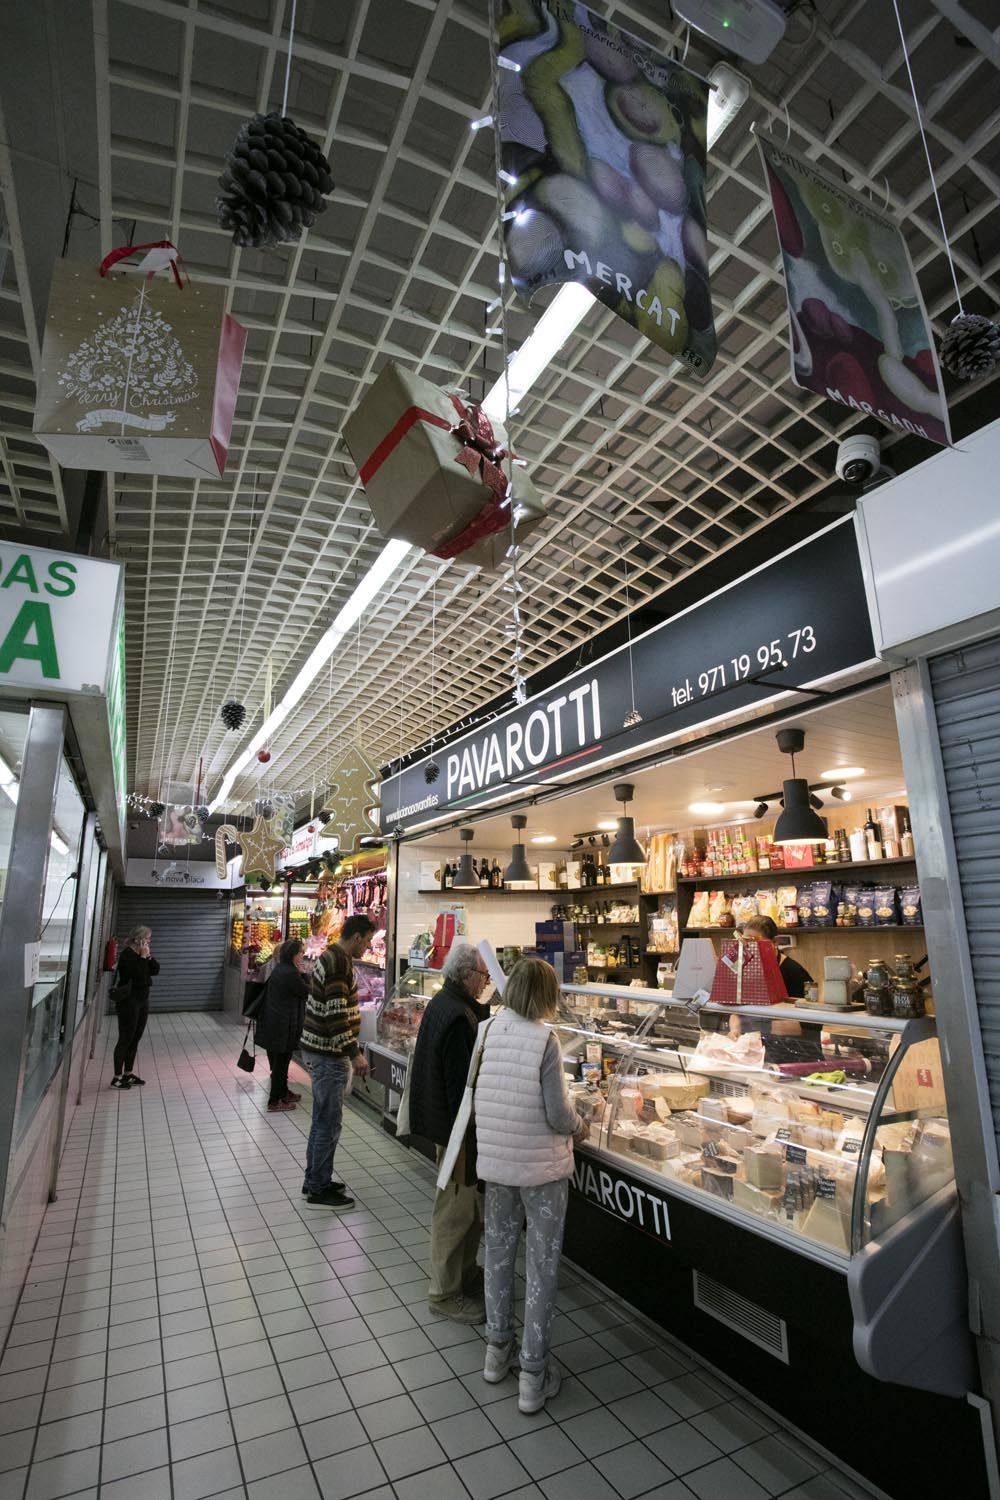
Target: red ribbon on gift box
x=479 y=453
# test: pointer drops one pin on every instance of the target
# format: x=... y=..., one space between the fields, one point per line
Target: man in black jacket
x=440 y=1067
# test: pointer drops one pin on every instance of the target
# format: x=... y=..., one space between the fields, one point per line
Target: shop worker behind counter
x=330 y=1049
x=133 y=978
x=438 y=1072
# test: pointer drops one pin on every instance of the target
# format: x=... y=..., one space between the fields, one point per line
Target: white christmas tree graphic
x=131 y=362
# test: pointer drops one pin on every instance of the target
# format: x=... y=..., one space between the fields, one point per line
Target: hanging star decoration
x=259 y=845
x=351 y=795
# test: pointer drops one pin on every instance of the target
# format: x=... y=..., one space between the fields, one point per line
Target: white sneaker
x=535 y=1387
x=499 y=1358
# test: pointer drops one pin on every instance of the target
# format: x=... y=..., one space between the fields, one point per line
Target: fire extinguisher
x=111 y=955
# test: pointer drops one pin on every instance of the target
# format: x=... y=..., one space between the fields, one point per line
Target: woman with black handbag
x=279 y=1018
x=133 y=978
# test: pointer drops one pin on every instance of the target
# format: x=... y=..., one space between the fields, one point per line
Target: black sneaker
x=331 y=1197
x=134 y=1078
x=334 y=1187
x=120 y=1083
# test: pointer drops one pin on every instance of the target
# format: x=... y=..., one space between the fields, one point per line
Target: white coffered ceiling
x=139 y=99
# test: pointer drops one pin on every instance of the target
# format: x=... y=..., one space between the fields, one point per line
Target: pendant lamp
x=626 y=849
x=518 y=869
x=799 y=823
x=466 y=878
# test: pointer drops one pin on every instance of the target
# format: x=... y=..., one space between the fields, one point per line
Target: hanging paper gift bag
x=140 y=372
x=434 y=466
x=748 y=973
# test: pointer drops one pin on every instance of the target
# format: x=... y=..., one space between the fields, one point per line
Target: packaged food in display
x=911 y=908
x=743 y=908
x=698 y=915
x=676 y=1091
x=663 y=1144
x=823 y=903
x=758 y=1200
x=690 y=1130
x=718 y=907
x=884 y=902
x=765 y=1167
x=766 y=904
x=718 y=1049
x=866 y=906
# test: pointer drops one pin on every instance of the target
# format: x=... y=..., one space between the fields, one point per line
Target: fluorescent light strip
x=388 y=561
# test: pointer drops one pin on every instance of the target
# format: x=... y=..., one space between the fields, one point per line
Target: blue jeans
x=329 y=1080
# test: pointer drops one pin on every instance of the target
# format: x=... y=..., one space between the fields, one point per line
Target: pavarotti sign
x=793 y=622
x=386 y=1070
x=635 y=1203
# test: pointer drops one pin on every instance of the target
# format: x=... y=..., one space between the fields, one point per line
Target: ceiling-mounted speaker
x=750 y=28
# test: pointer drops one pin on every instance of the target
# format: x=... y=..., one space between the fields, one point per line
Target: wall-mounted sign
x=58 y=614
x=179 y=874
x=793 y=622
x=624 y=1197
x=306 y=843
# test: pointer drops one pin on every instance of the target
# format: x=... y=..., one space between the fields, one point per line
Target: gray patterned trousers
x=507 y=1208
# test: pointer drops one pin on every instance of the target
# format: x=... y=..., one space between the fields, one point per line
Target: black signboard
x=793 y=622
x=387 y=1070
x=624 y=1197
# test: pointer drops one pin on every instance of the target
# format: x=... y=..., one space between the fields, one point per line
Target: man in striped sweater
x=330 y=1049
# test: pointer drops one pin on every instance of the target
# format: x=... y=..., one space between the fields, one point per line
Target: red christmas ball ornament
x=311 y=828
x=263 y=756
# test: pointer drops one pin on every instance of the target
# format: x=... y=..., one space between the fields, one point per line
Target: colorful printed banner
x=603 y=141
x=859 y=331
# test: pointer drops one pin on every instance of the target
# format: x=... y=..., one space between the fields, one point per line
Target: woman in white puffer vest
x=525 y=1129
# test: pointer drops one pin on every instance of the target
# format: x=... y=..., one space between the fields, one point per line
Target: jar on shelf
x=907 y=999
x=877 y=973
x=902 y=966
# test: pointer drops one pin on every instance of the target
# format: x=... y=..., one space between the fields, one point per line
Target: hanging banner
x=603 y=147
x=859 y=331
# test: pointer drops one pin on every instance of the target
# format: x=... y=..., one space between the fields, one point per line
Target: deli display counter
x=796 y=1222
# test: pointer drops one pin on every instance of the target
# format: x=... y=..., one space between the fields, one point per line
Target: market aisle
x=191 y=1330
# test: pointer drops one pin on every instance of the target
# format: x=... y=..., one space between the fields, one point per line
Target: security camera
x=859 y=459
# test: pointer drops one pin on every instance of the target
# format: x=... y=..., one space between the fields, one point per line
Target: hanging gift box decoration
x=434 y=467
x=140 y=373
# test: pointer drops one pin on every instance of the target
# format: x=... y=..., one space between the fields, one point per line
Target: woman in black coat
x=136 y=968
x=278 y=1023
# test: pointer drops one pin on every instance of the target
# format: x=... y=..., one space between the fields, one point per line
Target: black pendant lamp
x=466 y=878
x=626 y=849
x=518 y=869
x=799 y=823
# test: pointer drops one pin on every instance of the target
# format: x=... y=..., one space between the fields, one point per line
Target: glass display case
x=828 y=1151
x=398 y=1017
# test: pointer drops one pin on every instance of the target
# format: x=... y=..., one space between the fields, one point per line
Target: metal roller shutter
x=966 y=688
x=189 y=941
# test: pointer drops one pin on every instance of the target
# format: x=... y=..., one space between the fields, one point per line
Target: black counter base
x=912 y=1444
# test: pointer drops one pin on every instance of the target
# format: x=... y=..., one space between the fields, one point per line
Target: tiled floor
x=190 y=1329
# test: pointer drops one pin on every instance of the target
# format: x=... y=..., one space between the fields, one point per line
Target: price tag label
x=826 y=1188
x=795 y=1153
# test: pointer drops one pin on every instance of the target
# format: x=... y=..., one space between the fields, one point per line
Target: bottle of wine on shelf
x=906 y=838
x=873 y=841
x=496 y=877
x=484 y=875
x=449 y=878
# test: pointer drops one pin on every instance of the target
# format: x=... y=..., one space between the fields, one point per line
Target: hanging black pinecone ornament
x=274 y=183
x=971 y=347
x=156 y=809
x=232 y=714
x=431 y=772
